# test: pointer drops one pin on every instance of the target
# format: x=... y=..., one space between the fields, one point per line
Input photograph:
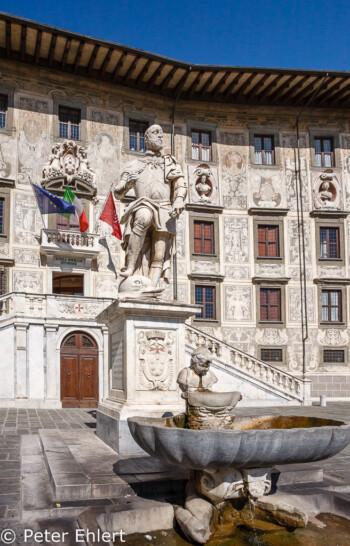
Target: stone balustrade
x=230 y=356
x=71 y=238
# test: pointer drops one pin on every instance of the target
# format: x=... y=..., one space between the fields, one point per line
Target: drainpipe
x=173 y=153
x=301 y=236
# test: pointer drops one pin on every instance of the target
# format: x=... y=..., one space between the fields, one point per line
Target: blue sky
x=271 y=33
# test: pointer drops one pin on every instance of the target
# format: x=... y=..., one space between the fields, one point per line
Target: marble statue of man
x=198 y=374
x=150 y=220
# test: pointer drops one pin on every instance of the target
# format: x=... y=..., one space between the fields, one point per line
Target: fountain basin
x=214 y=400
x=255 y=442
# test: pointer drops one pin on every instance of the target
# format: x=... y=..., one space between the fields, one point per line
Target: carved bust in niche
x=203 y=187
x=327 y=191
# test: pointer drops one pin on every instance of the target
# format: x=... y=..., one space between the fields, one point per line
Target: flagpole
x=36 y=199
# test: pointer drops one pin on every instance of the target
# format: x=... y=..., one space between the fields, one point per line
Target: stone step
x=80 y=466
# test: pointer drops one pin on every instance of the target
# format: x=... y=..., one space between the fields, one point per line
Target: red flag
x=109 y=215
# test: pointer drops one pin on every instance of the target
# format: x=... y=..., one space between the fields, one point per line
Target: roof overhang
x=49 y=47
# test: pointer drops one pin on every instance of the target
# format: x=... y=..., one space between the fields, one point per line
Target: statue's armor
x=151 y=181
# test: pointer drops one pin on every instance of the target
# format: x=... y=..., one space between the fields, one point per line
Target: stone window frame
x=9 y=91
x=207 y=280
x=332 y=285
x=5 y=194
x=209 y=127
x=200 y=216
x=271 y=284
x=273 y=362
x=272 y=221
x=67 y=102
x=268 y=131
x=315 y=132
x=326 y=364
x=134 y=115
x=330 y=223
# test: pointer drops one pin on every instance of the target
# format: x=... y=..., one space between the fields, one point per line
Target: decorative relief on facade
x=27 y=220
x=203 y=186
x=291 y=183
x=205 y=267
x=237 y=272
x=289 y=144
x=269 y=270
x=271 y=336
x=264 y=190
x=234 y=181
x=26 y=256
x=294 y=273
x=330 y=271
x=7 y=157
x=327 y=193
x=293 y=363
x=345 y=142
x=156 y=351
x=103 y=157
x=25 y=281
x=238 y=303
x=294 y=313
x=232 y=139
x=180 y=236
x=181 y=269
x=103 y=122
x=68 y=163
x=4 y=249
x=241 y=338
x=236 y=240
x=294 y=244
x=81 y=309
x=33 y=139
x=106 y=284
x=333 y=337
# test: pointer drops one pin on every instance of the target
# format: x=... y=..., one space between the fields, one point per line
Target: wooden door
x=79 y=371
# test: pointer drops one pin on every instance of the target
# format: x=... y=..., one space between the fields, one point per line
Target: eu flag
x=49 y=203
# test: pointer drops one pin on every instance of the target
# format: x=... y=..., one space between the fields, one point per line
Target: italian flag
x=70 y=197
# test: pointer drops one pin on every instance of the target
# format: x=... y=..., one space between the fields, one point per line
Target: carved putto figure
x=68 y=161
x=198 y=375
x=327 y=191
x=150 y=220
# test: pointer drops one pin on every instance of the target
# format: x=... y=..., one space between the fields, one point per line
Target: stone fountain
x=230 y=458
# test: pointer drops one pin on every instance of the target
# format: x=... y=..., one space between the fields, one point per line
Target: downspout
x=301 y=236
x=173 y=153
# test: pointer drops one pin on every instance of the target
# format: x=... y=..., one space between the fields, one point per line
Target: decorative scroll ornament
x=68 y=164
x=156 y=359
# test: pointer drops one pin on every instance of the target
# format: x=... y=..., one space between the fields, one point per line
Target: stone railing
x=249 y=365
x=75 y=239
x=51 y=306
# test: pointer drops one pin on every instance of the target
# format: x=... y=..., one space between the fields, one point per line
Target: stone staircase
x=259 y=382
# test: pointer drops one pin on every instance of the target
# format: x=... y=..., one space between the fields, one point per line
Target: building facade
x=75 y=111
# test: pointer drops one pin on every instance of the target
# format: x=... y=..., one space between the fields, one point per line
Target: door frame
x=74 y=351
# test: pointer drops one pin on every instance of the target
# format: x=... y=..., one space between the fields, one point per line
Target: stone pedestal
x=146 y=353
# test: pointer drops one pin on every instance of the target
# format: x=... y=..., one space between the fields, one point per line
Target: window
x=201 y=145
x=137 y=131
x=270 y=304
x=2 y=283
x=271 y=354
x=329 y=243
x=3 y=111
x=205 y=296
x=2 y=213
x=268 y=241
x=333 y=356
x=324 y=156
x=203 y=237
x=69 y=284
x=331 y=305
x=264 y=150
x=69 y=122
x=70 y=223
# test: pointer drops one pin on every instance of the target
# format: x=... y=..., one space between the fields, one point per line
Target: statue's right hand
x=132 y=177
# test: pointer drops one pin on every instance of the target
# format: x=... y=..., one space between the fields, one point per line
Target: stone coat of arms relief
x=156 y=355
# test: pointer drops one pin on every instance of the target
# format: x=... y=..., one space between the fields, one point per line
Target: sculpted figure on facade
x=150 y=220
x=327 y=192
x=202 y=184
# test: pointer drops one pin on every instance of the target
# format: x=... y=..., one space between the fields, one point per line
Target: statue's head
x=201 y=360
x=325 y=186
x=154 y=138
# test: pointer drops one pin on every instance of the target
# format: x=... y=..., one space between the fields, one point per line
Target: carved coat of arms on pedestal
x=156 y=355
